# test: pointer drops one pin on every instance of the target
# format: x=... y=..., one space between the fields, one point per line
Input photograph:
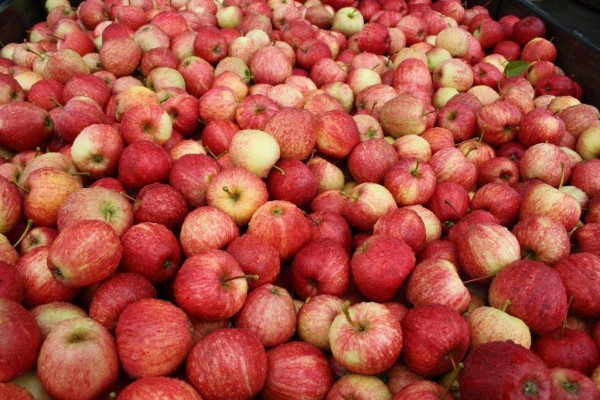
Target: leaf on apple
x=516 y=68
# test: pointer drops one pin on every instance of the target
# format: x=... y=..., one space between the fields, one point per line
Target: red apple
x=191 y=175
x=336 y=134
x=504 y=369
x=120 y=56
x=359 y=387
x=365 y=339
x=428 y=354
x=84 y=253
x=155 y=388
x=329 y=275
x=403 y=224
x=330 y=225
x=255 y=257
x=206 y=228
x=97 y=149
x=11 y=284
x=20 y=340
x=498 y=122
x=403 y=115
x=44 y=93
x=25 y=126
x=410 y=181
x=585 y=238
x=527 y=29
x=544 y=200
x=78 y=354
x=367 y=202
x=542 y=239
x=370 y=160
x=142 y=163
x=568 y=348
x=499 y=199
x=579 y=273
x=489 y=324
x=292 y=180
x=269 y=65
x=570 y=384
x=163 y=328
x=498 y=169
x=227 y=362
x=449 y=202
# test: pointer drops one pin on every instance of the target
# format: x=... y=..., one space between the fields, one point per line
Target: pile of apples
x=328 y=199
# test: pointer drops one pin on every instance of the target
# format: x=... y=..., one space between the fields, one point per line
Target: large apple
x=365 y=339
x=20 y=340
x=78 y=360
x=504 y=369
x=165 y=331
x=228 y=362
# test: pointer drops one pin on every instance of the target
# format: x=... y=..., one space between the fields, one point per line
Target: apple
x=315 y=318
x=328 y=174
x=120 y=56
x=498 y=122
x=410 y=181
x=367 y=202
x=330 y=225
x=578 y=117
x=49 y=315
x=247 y=143
x=527 y=29
x=84 y=253
x=11 y=284
x=370 y=160
x=39 y=285
x=490 y=324
x=28 y=129
x=449 y=202
x=503 y=368
x=10 y=199
x=403 y=115
x=146 y=122
x=142 y=163
x=458 y=118
x=584 y=238
x=579 y=274
x=14 y=391
x=156 y=387
x=347 y=20
x=162 y=204
x=436 y=281
x=413 y=146
x=585 y=176
x=191 y=175
x=451 y=165
x=359 y=387
x=453 y=73
x=405 y=225
x=498 y=169
x=336 y=134
x=454 y=40
x=567 y=383
x=321 y=267
x=568 y=348
x=96 y=203
x=269 y=65
x=96 y=150
x=359 y=335
x=230 y=362
x=20 y=340
x=78 y=351
x=423 y=389
x=424 y=354
x=293 y=181
x=206 y=228
x=282 y=225
x=165 y=331
x=545 y=200
x=255 y=257
x=486 y=248
x=534 y=234
x=269 y=313
x=43 y=93
x=395 y=260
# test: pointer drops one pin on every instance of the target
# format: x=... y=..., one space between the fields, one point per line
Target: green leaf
x=516 y=68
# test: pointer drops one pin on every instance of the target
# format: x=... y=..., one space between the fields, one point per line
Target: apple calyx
x=245 y=276
x=530 y=388
x=346 y=311
x=569 y=387
x=25 y=232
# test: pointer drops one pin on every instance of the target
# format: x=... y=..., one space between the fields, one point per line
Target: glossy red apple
x=579 y=273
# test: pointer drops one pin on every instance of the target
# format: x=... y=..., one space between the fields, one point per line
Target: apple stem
x=57 y=103
x=481 y=278
x=415 y=170
x=245 y=276
x=34 y=52
x=455 y=371
x=281 y=170
x=563 y=169
x=38 y=151
x=452 y=208
x=20 y=187
x=25 y=232
x=112 y=395
x=507 y=303
x=346 y=312
x=127 y=196
x=564 y=323
x=348 y=195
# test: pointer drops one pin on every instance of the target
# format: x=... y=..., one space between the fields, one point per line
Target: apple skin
x=570 y=384
x=114 y=294
x=206 y=228
x=533 y=234
x=544 y=200
x=296 y=184
x=403 y=115
x=270 y=314
x=97 y=149
x=367 y=202
x=282 y=225
x=202 y=290
x=165 y=331
x=78 y=353
x=191 y=175
x=14 y=392
x=449 y=202
x=157 y=388
x=39 y=284
x=162 y=204
x=11 y=284
x=568 y=348
x=96 y=203
x=500 y=200
x=369 y=160
x=359 y=387
x=142 y=163
x=451 y=165
x=499 y=122
x=297 y=370
x=49 y=315
x=20 y=340
x=85 y=253
x=499 y=370
x=585 y=175
x=336 y=134
x=436 y=281
x=10 y=202
x=498 y=169
x=228 y=362
x=321 y=267
x=579 y=272
x=410 y=181
x=371 y=344
x=546 y=162
x=585 y=238
x=536 y=292
x=488 y=324
x=403 y=224
x=25 y=126
x=432 y=335
x=315 y=318
x=255 y=256
x=423 y=389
